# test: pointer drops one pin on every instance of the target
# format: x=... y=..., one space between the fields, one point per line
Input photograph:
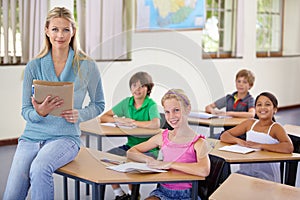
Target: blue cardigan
x=87 y=80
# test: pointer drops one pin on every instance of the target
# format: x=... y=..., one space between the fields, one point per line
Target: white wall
x=174 y=60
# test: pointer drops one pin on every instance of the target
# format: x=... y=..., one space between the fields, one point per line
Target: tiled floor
x=291 y=116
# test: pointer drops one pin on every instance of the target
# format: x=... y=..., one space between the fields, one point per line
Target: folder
x=64 y=90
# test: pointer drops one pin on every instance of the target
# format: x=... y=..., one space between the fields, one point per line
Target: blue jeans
x=33 y=166
x=167 y=194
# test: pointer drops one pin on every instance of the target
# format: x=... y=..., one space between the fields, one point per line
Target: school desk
x=88 y=168
x=215 y=122
x=237 y=187
x=93 y=127
x=256 y=157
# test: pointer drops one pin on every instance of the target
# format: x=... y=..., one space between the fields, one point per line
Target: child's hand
x=156 y=164
x=253 y=145
x=124 y=121
x=242 y=142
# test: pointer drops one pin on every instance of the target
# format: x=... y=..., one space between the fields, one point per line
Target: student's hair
x=62 y=12
x=177 y=94
x=247 y=74
x=144 y=78
x=272 y=98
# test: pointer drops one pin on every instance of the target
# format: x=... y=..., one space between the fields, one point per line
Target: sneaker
x=123 y=197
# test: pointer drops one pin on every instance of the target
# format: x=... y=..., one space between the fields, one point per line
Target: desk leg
x=77 y=190
x=211 y=132
x=135 y=192
x=87 y=140
x=291 y=172
x=95 y=192
x=99 y=142
x=102 y=191
x=87 y=144
x=195 y=190
x=65 y=183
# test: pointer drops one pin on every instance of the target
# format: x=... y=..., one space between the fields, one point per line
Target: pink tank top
x=174 y=152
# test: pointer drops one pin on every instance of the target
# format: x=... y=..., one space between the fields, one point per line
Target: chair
x=293 y=132
x=219 y=170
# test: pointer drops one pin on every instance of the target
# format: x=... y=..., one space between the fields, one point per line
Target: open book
x=134 y=167
x=204 y=115
x=237 y=149
x=64 y=90
x=112 y=124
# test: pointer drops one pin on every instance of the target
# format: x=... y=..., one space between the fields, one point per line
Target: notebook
x=204 y=115
x=134 y=167
x=237 y=149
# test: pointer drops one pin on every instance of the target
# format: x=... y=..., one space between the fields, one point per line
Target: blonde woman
x=49 y=142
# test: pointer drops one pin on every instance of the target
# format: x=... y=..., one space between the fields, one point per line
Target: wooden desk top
x=87 y=166
x=237 y=187
x=257 y=156
x=93 y=126
x=216 y=121
x=292 y=129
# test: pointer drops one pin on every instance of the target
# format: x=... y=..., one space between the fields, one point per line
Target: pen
x=115 y=162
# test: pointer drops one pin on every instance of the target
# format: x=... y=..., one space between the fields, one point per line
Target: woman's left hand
x=70 y=115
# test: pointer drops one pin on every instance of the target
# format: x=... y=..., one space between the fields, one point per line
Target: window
x=10 y=36
x=218 y=39
x=103 y=27
x=269 y=28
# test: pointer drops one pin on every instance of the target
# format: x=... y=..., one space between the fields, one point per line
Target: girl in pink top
x=182 y=149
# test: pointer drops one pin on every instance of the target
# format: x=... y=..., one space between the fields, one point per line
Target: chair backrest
x=294 y=133
x=163 y=123
x=213 y=180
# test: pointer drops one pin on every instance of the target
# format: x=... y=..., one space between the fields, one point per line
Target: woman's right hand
x=48 y=105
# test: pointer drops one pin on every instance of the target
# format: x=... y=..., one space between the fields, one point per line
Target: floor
x=290 y=116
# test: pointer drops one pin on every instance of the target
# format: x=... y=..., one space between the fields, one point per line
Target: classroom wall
x=174 y=60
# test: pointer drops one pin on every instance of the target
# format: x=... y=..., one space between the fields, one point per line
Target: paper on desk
x=117 y=125
x=204 y=115
x=109 y=124
x=238 y=149
x=134 y=167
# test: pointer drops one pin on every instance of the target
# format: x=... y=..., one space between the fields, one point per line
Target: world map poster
x=170 y=14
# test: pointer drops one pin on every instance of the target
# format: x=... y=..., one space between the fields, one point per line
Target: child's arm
x=249 y=114
x=136 y=153
x=231 y=136
x=154 y=123
x=210 y=108
x=285 y=144
x=107 y=117
x=202 y=165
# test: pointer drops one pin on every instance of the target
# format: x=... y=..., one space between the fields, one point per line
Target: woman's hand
x=48 y=105
x=70 y=115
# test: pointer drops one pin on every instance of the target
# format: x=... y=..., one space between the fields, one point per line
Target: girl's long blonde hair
x=62 y=12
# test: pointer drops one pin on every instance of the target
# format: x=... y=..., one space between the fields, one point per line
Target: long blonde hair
x=62 y=12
